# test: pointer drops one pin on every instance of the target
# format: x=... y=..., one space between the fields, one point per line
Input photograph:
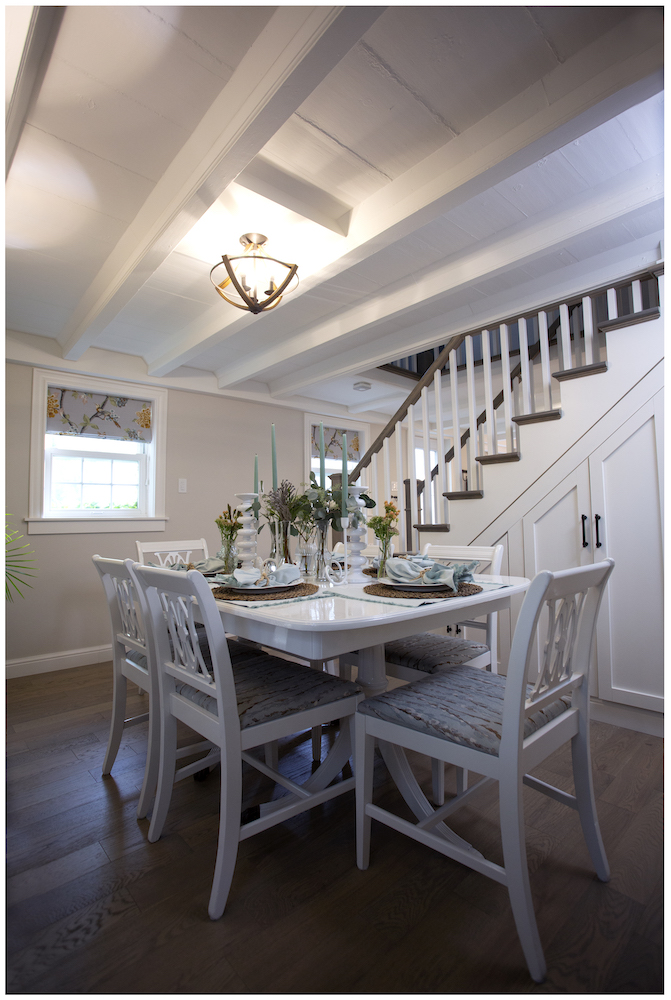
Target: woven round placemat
x=229 y=594
x=382 y=590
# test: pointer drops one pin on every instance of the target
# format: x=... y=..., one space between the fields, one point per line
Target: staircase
x=476 y=403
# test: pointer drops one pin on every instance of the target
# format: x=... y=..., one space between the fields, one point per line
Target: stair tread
x=465 y=495
x=504 y=456
x=537 y=418
x=596 y=369
x=432 y=527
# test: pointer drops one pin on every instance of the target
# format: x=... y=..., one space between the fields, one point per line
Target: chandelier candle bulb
x=343 y=482
x=274 y=455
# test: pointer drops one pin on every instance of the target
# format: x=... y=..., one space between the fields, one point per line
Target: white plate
x=274 y=589
x=419 y=587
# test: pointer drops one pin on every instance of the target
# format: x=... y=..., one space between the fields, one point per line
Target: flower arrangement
x=229 y=523
x=384 y=529
x=327 y=506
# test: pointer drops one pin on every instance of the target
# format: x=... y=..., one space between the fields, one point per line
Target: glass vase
x=323 y=556
x=283 y=548
x=305 y=557
x=228 y=553
x=385 y=552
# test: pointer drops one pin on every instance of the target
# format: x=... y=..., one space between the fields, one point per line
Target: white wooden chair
x=413 y=658
x=133 y=659
x=499 y=727
x=168 y=553
x=238 y=708
x=129 y=662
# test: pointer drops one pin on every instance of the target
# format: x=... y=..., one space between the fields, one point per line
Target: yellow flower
x=143 y=417
x=52 y=406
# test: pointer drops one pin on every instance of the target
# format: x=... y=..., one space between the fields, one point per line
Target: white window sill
x=92 y=525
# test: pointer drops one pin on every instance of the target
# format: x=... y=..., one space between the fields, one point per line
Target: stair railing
x=555 y=343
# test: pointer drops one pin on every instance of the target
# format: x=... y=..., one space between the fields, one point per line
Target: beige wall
x=211 y=444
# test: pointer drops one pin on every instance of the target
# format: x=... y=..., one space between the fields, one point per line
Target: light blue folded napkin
x=255 y=579
x=429 y=573
x=211 y=565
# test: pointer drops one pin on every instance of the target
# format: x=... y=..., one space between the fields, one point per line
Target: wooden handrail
x=416 y=392
x=534 y=350
x=452 y=345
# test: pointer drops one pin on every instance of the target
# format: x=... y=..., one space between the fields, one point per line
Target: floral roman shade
x=81 y=414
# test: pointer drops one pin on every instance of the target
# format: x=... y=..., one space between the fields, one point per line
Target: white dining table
x=343 y=619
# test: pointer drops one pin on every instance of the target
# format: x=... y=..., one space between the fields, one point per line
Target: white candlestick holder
x=357 y=541
x=247 y=536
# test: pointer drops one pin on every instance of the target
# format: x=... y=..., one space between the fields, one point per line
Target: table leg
x=371 y=676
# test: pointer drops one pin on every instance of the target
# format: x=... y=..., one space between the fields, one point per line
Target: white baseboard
x=639 y=719
x=27 y=665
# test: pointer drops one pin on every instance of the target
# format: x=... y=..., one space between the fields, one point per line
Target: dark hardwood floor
x=95 y=908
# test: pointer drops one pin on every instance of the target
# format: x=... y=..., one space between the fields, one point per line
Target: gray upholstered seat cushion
x=428 y=652
x=461 y=704
x=268 y=688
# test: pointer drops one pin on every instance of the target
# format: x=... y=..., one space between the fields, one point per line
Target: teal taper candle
x=256 y=473
x=322 y=462
x=274 y=455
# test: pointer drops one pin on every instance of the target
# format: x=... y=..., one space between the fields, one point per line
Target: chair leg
x=511 y=813
x=151 y=768
x=166 y=777
x=271 y=754
x=364 y=752
x=437 y=781
x=316 y=744
x=584 y=792
x=116 y=724
x=229 y=838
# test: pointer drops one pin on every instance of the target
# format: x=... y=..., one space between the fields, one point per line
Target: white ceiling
x=430 y=169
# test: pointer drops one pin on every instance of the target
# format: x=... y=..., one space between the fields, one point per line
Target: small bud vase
x=228 y=553
x=385 y=552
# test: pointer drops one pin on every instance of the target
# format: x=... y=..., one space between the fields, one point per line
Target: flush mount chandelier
x=253 y=281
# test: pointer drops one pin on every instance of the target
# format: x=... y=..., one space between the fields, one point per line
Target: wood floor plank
x=94 y=908
x=35 y=880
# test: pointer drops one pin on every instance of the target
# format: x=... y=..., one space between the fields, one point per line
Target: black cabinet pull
x=597 y=518
x=585 y=519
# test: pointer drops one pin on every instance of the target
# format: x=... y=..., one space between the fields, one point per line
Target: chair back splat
x=499 y=727
x=169 y=553
x=238 y=704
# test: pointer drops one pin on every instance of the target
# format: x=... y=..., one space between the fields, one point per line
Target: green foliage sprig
x=18 y=564
x=229 y=523
x=384 y=528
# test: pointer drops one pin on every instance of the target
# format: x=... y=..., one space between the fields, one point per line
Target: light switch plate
x=182 y=486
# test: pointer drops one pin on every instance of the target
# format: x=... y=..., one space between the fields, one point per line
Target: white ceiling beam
x=639 y=187
x=295 y=194
x=290 y=57
x=611 y=266
x=40 y=37
x=619 y=70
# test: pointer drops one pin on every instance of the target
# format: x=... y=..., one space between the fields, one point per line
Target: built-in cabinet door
x=611 y=506
x=626 y=495
x=557 y=535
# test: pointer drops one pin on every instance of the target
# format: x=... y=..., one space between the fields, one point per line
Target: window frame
x=357 y=426
x=87 y=521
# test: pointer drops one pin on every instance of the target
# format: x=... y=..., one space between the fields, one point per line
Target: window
x=356 y=447
x=97 y=455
